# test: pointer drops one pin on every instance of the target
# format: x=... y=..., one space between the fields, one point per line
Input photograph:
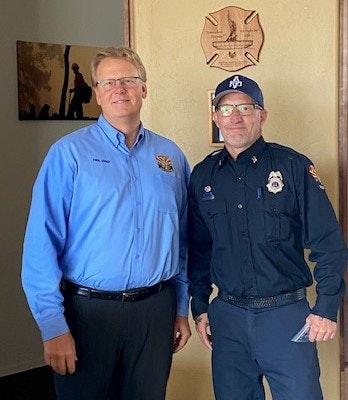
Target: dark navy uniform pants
x=124 y=349
x=252 y=344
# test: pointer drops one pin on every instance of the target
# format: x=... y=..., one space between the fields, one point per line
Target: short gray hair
x=118 y=52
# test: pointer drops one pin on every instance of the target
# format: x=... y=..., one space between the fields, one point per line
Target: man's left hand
x=321 y=329
x=182 y=333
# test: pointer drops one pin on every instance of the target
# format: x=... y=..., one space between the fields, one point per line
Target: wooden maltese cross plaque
x=232 y=38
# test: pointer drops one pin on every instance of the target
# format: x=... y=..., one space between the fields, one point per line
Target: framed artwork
x=54 y=82
x=214 y=135
x=54 y=79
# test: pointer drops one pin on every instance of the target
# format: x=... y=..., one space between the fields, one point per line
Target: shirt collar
x=116 y=136
x=250 y=155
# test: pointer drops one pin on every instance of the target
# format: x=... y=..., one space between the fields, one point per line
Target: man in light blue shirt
x=104 y=257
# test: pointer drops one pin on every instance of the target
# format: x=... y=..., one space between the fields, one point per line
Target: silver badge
x=275 y=182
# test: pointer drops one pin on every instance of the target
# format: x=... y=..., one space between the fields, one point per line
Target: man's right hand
x=202 y=328
x=60 y=353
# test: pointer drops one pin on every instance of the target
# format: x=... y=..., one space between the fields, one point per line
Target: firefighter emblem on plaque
x=232 y=38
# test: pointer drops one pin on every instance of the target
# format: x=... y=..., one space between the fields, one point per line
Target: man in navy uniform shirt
x=253 y=209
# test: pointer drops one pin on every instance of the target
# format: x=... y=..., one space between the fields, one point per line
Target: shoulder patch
x=315 y=175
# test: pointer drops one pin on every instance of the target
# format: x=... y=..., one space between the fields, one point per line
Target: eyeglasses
x=127 y=81
x=244 y=109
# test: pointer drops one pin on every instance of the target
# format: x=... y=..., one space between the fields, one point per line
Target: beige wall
x=297 y=70
x=298 y=73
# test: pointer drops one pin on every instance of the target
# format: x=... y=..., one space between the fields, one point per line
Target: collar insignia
x=275 y=182
x=165 y=163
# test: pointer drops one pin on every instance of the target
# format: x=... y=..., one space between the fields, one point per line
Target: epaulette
x=215 y=152
x=291 y=153
x=281 y=147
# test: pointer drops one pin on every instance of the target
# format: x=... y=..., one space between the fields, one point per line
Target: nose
x=119 y=87
x=235 y=114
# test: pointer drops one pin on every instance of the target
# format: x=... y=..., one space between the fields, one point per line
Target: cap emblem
x=235 y=82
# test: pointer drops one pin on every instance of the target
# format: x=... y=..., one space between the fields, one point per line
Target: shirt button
x=240 y=206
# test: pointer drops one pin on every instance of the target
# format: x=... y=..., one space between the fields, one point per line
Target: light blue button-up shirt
x=105 y=216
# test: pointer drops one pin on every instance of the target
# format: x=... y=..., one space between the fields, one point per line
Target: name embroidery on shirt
x=165 y=163
x=99 y=160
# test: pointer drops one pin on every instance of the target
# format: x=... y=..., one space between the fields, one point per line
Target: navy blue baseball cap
x=241 y=84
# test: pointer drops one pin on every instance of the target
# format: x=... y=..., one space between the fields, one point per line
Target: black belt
x=142 y=293
x=262 y=302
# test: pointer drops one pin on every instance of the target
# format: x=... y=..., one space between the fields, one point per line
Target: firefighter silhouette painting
x=81 y=93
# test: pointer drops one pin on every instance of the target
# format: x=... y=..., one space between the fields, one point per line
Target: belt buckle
x=130 y=295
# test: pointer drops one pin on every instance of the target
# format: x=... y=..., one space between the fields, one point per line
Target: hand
x=202 y=325
x=60 y=354
x=182 y=333
x=321 y=329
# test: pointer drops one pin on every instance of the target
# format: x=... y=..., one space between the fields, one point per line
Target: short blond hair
x=118 y=52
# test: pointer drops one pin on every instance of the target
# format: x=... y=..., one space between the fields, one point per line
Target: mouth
x=120 y=101
x=234 y=127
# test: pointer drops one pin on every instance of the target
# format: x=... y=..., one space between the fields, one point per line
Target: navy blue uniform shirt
x=250 y=221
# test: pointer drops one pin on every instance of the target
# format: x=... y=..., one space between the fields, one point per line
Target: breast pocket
x=215 y=216
x=280 y=219
x=167 y=193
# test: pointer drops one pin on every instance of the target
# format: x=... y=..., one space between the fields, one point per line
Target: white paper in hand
x=302 y=335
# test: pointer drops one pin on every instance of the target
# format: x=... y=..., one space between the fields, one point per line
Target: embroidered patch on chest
x=165 y=163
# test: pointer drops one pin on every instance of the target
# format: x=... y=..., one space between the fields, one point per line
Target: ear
x=263 y=116
x=144 y=91
x=215 y=119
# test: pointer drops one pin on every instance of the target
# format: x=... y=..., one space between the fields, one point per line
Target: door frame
x=343 y=179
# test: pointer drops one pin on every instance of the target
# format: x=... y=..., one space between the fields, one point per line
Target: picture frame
x=54 y=82
x=215 y=138
x=128 y=23
x=49 y=88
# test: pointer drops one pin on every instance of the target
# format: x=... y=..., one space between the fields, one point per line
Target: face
x=119 y=104
x=239 y=132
